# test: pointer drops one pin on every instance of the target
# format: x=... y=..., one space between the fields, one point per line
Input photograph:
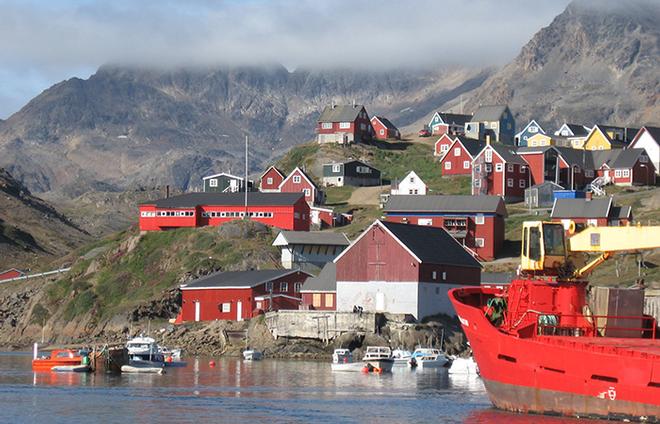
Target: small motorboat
x=252 y=355
x=378 y=359
x=401 y=357
x=58 y=357
x=71 y=368
x=342 y=360
x=144 y=352
x=132 y=369
x=428 y=357
x=465 y=366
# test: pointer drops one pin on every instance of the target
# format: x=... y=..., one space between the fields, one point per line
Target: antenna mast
x=245 y=183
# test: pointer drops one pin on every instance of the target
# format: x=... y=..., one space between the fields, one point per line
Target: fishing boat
x=428 y=357
x=251 y=355
x=401 y=357
x=538 y=346
x=342 y=360
x=144 y=352
x=56 y=358
x=378 y=359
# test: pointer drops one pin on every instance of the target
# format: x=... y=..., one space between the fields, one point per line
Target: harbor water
x=268 y=391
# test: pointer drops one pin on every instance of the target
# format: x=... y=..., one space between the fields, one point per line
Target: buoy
x=168 y=359
x=212 y=364
x=365 y=370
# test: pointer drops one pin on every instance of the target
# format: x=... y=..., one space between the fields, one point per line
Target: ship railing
x=597 y=326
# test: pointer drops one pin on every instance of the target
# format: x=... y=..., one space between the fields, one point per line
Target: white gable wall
x=409 y=184
x=646 y=142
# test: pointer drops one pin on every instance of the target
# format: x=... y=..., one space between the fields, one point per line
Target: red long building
x=288 y=211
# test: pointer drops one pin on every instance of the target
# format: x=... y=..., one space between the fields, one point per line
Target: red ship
x=539 y=347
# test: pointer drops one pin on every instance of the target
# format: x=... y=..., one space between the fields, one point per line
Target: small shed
x=11 y=273
x=305 y=249
x=320 y=292
x=541 y=195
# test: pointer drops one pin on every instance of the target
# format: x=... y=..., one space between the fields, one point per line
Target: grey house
x=494 y=123
x=302 y=249
x=352 y=173
x=225 y=183
x=541 y=195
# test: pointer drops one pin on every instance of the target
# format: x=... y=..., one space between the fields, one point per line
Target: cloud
x=59 y=37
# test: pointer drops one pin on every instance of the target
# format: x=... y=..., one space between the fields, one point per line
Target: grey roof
x=497 y=277
x=547 y=183
x=489 y=113
x=627 y=158
x=508 y=153
x=324 y=238
x=581 y=208
x=325 y=282
x=448 y=204
x=389 y=125
x=528 y=149
x=473 y=146
x=431 y=244
x=455 y=118
x=581 y=158
x=340 y=113
x=239 y=278
x=191 y=200
x=578 y=130
x=620 y=212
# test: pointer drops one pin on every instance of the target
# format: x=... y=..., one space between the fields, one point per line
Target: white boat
x=465 y=366
x=428 y=357
x=143 y=351
x=342 y=360
x=378 y=359
x=131 y=369
x=401 y=357
x=251 y=355
x=72 y=368
x=173 y=354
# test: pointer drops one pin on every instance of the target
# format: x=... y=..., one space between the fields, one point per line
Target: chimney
x=487 y=139
x=353 y=102
x=167 y=191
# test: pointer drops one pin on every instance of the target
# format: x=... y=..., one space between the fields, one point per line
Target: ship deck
x=646 y=348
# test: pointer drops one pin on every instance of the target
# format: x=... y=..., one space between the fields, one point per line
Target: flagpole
x=245 y=183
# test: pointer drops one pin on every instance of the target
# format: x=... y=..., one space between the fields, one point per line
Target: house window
x=316 y=300
x=533 y=129
x=509 y=167
x=489 y=155
x=626 y=173
x=328 y=300
x=363 y=127
x=479 y=219
x=425 y=221
x=447 y=165
x=499 y=167
x=434 y=275
x=521 y=183
x=489 y=167
x=444 y=276
x=588 y=173
x=617 y=173
x=643 y=159
x=477 y=183
x=326 y=125
x=381 y=132
x=307 y=192
x=479 y=242
x=523 y=168
x=336 y=167
x=466 y=164
x=534 y=143
x=296 y=179
x=444 y=148
x=213 y=182
x=457 y=151
x=477 y=168
x=269 y=286
x=344 y=125
x=297 y=287
x=284 y=286
x=269 y=180
x=509 y=182
x=226 y=307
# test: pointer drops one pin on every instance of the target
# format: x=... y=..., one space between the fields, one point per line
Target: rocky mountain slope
x=598 y=61
x=31 y=230
x=126 y=127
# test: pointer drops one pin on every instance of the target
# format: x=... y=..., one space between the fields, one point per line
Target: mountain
x=126 y=127
x=597 y=62
x=31 y=230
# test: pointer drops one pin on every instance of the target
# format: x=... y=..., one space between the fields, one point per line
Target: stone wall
x=323 y=325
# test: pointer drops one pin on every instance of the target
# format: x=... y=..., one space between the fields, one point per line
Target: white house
x=316 y=248
x=648 y=138
x=410 y=184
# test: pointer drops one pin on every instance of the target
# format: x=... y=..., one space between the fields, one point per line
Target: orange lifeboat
x=57 y=358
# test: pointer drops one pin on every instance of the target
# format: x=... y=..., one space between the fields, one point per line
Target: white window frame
x=499 y=167
x=434 y=275
x=336 y=167
x=269 y=180
x=479 y=242
x=509 y=167
x=488 y=155
x=444 y=147
x=284 y=286
x=625 y=173
x=521 y=183
x=326 y=125
x=479 y=220
x=457 y=151
x=477 y=168
x=477 y=183
x=489 y=167
x=444 y=276
x=447 y=165
x=509 y=182
x=297 y=287
x=344 y=125
x=296 y=179
x=269 y=286
x=466 y=164
x=226 y=307
x=307 y=192
x=617 y=173
x=381 y=131
x=213 y=182
x=643 y=159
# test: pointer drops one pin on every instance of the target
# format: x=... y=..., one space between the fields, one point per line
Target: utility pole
x=245 y=183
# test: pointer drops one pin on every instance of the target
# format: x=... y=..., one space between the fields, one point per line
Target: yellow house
x=540 y=140
x=597 y=140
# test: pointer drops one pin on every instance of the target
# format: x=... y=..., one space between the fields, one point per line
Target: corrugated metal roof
x=508 y=153
x=449 y=204
x=325 y=282
x=578 y=130
x=324 y=238
x=340 y=113
x=620 y=212
x=431 y=244
x=389 y=125
x=489 y=113
x=473 y=146
x=238 y=278
x=581 y=208
x=455 y=118
x=191 y=200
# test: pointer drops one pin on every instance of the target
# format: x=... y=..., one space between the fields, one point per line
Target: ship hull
x=572 y=376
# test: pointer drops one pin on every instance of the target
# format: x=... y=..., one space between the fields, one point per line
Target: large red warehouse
x=241 y=295
x=288 y=211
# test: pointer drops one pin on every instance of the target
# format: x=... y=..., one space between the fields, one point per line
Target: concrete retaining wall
x=323 y=325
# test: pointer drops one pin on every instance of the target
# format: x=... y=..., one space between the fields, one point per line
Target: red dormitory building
x=477 y=222
x=298 y=181
x=287 y=211
x=459 y=156
x=498 y=170
x=344 y=124
x=241 y=295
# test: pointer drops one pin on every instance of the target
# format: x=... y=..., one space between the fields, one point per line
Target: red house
x=299 y=182
x=497 y=170
x=320 y=292
x=270 y=180
x=288 y=211
x=477 y=222
x=459 y=157
x=344 y=125
x=384 y=129
x=442 y=145
x=241 y=295
x=11 y=273
x=403 y=269
x=625 y=167
x=590 y=212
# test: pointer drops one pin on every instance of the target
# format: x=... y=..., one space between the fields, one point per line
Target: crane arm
x=615 y=239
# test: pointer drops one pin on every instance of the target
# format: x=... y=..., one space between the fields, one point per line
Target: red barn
x=384 y=129
x=288 y=211
x=497 y=170
x=442 y=145
x=344 y=125
x=403 y=269
x=11 y=273
x=270 y=180
x=299 y=182
x=320 y=292
x=477 y=222
x=459 y=157
x=241 y=295
x=590 y=212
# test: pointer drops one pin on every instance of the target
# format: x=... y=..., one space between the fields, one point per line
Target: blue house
x=531 y=129
x=448 y=123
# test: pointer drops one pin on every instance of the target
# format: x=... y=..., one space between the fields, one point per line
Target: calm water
x=267 y=391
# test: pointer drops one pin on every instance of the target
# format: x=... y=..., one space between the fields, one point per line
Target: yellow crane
x=546 y=250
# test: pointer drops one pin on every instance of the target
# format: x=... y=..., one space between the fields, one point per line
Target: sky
x=43 y=42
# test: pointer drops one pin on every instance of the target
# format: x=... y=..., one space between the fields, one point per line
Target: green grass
x=337 y=195
x=298 y=156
